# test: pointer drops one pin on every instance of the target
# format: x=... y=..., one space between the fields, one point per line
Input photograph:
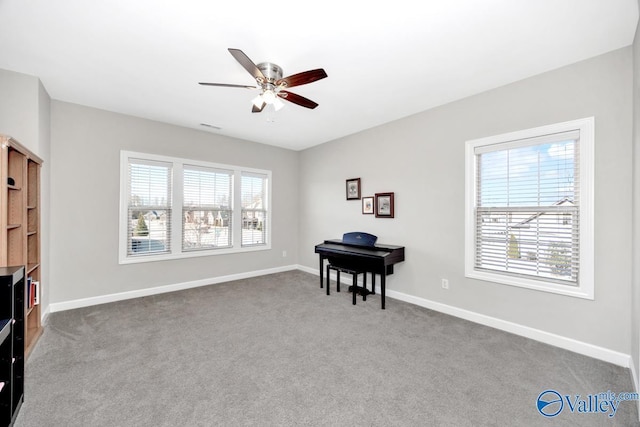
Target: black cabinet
x=12 y=290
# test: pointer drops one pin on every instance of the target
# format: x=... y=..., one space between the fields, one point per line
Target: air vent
x=207 y=125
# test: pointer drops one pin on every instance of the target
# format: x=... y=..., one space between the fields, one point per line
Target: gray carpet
x=276 y=351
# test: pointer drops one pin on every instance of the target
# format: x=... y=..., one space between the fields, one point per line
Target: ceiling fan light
x=277 y=104
x=268 y=96
x=258 y=101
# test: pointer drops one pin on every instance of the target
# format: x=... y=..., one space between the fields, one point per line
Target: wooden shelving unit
x=20 y=226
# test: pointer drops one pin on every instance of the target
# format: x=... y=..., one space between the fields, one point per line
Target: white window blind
x=527 y=217
x=149 y=207
x=207 y=208
x=219 y=208
x=254 y=209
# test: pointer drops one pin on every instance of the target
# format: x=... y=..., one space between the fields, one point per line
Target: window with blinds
x=149 y=207
x=529 y=208
x=254 y=209
x=221 y=209
x=207 y=208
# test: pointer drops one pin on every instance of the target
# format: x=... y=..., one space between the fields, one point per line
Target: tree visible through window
x=524 y=194
x=221 y=209
x=207 y=210
x=149 y=207
x=254 y=209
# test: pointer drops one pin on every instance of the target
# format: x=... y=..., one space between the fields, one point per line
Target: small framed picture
x=353 y=189
x=367 y=205
x=384 y=205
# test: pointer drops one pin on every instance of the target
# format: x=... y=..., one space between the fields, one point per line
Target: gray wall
x=421 y=159
x=85 y=155
x=44 y=151
x=635 y=295
x=25 y=115
x=19 y=112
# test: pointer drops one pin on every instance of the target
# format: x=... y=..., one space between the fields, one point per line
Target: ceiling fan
x=271 y=83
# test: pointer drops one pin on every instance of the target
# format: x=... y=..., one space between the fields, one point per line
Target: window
x=206 y=211
x=224 y=209
x=254 y=212
x=149 y=207
x=529 y=214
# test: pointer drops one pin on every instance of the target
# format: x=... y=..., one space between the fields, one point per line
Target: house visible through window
x=207 y=210
x=214 y=215
x=529 y=208
x=149 y=207
x=254 y=212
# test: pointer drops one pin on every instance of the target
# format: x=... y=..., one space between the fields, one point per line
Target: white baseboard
x=344 y=278
x=307 y=269
x=634 y=379
x=45 y=315
x=634 y=376
x=102 y=299
x=576 y=346
x=570 y=344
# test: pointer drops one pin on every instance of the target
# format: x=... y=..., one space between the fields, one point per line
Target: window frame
x=177 y=186
x=201 y=207
x=264 y=210
x=586 y=141
x=168 y=208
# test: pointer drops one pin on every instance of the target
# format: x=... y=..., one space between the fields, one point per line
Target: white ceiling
x=385 y=59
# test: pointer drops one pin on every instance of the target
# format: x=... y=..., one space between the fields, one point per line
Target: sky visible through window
x=207 y=188
x=538 y=175
x=252 y=192
x=149 y=184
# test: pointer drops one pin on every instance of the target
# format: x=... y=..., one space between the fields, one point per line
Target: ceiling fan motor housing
x=271 y=72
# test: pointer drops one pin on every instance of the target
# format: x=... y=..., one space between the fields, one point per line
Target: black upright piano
x=359 y=251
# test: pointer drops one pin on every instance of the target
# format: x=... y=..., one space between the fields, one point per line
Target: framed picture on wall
x=353 y=189
x=367 y=205
x=384 y=205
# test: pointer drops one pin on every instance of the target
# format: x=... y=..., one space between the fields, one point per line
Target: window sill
x=191 y=254
x=538 y=285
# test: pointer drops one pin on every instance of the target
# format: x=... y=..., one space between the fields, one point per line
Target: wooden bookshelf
x=20 y=225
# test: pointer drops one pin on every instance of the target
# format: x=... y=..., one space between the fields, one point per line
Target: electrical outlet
x=284 y=254
x=445 y=284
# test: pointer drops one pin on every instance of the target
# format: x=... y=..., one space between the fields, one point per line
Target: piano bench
x=354 y=288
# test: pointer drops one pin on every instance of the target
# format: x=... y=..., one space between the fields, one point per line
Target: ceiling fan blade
x=247 y=64
x=302 y=78
x=226 y=85
x=297 y=99
x=255 y=109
